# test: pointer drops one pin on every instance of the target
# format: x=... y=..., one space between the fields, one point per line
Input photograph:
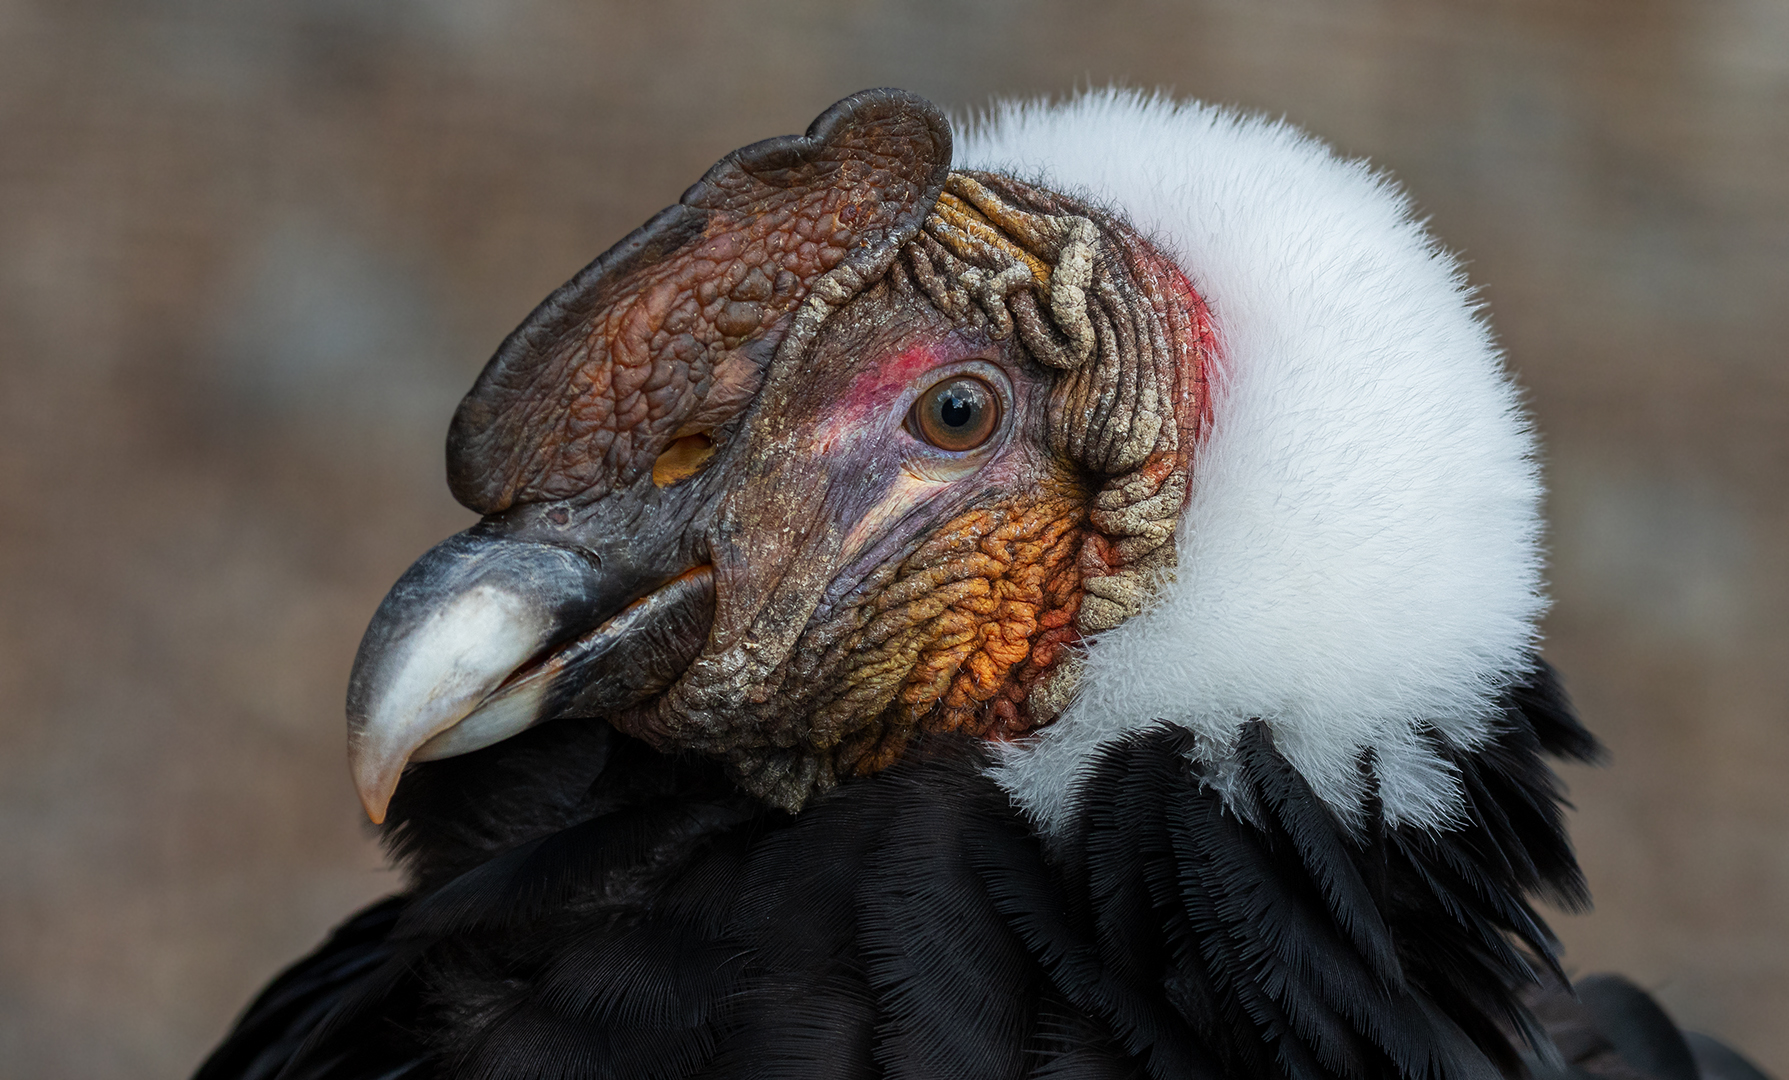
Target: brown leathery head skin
x=666 y=334
x=745 y=375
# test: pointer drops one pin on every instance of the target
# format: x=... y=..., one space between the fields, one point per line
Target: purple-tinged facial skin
x=837 y=490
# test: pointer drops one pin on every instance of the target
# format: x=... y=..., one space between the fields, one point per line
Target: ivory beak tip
x=375 y=782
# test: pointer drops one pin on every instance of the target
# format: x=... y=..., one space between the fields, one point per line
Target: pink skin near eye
x=879 y=389
x=873 y=407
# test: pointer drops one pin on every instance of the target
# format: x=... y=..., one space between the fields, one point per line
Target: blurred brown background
x=252 y=251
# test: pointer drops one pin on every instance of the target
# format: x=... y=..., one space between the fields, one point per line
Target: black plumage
x=583 y=906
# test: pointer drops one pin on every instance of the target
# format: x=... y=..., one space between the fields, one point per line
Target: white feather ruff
x=1360 y=557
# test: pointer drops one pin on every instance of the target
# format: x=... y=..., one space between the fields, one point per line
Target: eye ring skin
x=929 y=461
x=926 y=472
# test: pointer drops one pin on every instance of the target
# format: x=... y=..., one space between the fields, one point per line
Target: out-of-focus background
x=251 y=252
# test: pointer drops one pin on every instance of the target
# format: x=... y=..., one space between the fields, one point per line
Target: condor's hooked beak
x=594 y=444
x=486 y=636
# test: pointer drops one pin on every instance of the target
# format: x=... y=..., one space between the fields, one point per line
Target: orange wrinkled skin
x=983 y=609
x=1032 y=586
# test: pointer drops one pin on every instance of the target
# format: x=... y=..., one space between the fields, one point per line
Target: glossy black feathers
x=1287 y=942
x=586 y=907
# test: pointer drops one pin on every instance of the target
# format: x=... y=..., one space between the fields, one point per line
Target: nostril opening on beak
x=682 y=459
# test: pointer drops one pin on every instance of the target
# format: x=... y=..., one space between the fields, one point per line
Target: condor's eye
x=957 y=414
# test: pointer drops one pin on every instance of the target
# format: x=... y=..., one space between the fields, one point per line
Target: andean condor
x=1063 y=607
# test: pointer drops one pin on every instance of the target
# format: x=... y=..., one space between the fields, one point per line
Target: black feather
x=276 y=1024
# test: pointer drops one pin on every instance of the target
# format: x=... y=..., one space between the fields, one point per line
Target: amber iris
x=957 y=414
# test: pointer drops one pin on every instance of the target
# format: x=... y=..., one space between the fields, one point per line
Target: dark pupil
x=956 y=408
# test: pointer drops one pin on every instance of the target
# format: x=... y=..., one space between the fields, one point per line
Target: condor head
x=843 y=447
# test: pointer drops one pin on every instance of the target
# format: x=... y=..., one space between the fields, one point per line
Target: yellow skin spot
x=682 y=459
